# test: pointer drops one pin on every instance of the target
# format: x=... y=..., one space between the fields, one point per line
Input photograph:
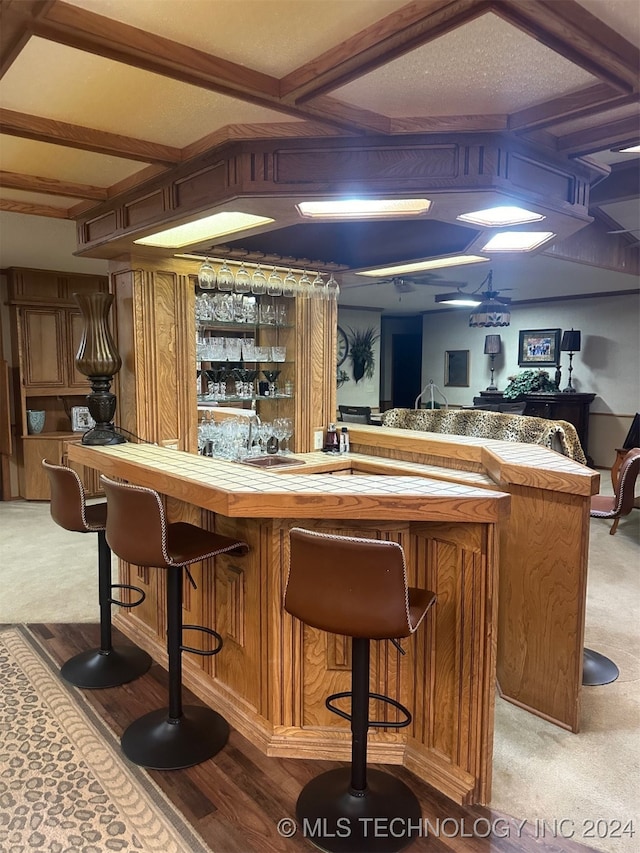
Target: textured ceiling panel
x=271 y=36
x=508 y=69
x=64 y=164
x=76 y=87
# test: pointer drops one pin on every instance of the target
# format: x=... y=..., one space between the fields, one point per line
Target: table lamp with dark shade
x=99 y=360
x=570 y=343
x=492 y=348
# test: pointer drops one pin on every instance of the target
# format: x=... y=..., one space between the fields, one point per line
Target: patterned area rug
x=64 y=785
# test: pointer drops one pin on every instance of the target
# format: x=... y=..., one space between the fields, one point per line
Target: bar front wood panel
x=273 y=674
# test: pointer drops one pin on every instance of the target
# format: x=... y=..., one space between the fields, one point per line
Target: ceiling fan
x=410 y=283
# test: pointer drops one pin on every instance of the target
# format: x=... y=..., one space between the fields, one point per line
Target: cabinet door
x=34 y=485
x=42 y=349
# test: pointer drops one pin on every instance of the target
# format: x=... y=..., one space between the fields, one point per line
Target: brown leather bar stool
x=106 y=666
x=358 y=588
x=139 y=533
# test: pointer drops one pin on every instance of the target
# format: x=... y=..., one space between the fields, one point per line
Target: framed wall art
x=539 y=348
x=456 y=368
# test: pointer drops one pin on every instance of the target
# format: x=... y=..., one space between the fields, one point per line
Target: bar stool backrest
x=348 y=585
x=136 y=524
x=625 y=490
x=68 y=505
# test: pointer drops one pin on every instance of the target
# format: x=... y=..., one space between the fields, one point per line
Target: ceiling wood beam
x=85 y=138
x=566 y=27
x=586 y=102
x=101 y=36
x=403 y=30
x=625 y=131
x=16 y=20
x=34 y=209
x=51 y=186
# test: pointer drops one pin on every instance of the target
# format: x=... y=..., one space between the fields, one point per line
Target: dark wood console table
x=565 y=407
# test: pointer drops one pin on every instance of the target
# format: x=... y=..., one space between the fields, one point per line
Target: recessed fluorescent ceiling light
x=517 y=241
x=632 y=149
x=363 y=207
x=433 y=264
x=216 y=225
x=505 y=215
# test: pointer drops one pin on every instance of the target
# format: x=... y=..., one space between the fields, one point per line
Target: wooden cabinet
x=573 y=408
x=46 y=328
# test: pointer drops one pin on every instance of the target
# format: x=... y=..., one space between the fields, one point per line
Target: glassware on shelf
x=248 y=349
x=333 y=288
x=215 y=350
x=233 y=349
x=243 y=280
x=250 y=309
x=225 y=278
x=258 y=282
x=290 y=284
x=207 y=276
x=267 y=314
x=280 y=312
x=263 y=353
x=318 y=288
x=288 y=388
x=223 y=307
x=271 y=376
x=274 y=283
x=278 y=353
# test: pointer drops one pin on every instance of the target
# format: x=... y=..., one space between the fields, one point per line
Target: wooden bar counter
x=444 y=499
x=273 y=674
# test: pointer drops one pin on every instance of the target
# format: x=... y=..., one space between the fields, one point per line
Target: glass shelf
x=234 y=398
x=239 y=327
x=238 y=364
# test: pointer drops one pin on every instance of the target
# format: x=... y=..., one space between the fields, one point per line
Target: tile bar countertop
x=237 y=490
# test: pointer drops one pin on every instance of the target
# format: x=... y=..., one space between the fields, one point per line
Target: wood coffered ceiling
x=100 y=98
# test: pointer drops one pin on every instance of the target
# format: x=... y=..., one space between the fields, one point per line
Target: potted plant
x=361 y=352
x=529 y=382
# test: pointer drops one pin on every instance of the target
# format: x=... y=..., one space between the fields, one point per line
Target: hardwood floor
x=236 y=799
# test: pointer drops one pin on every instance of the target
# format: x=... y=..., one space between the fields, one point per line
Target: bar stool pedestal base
x=156 y=742
x=384 y=820
x=98 y=669
x=597 y=669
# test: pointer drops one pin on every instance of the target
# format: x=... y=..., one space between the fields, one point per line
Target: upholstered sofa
x=557 y=435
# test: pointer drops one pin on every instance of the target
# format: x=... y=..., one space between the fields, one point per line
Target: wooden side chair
x=623 y=499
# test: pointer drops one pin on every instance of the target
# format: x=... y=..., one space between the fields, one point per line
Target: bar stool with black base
x=358 y=588
x=139 y=533
x=107 y=666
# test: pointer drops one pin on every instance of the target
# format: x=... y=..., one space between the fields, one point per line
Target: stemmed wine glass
x=207 y=276
x=274 y=283
x=258 y=282
x=284 y=427
x=318 y=287
x=271 y=377
x=289 y=285
x=243 y=280
x=225 y=277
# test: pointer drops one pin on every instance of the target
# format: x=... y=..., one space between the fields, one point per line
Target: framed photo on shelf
x=539 y=348
x=81 y=420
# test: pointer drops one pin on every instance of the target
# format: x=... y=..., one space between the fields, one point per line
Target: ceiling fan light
x=461 y=299
x=630 y=149
x=490 y=313
x=502 y=215
x=363 y=208
x=517 y=241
